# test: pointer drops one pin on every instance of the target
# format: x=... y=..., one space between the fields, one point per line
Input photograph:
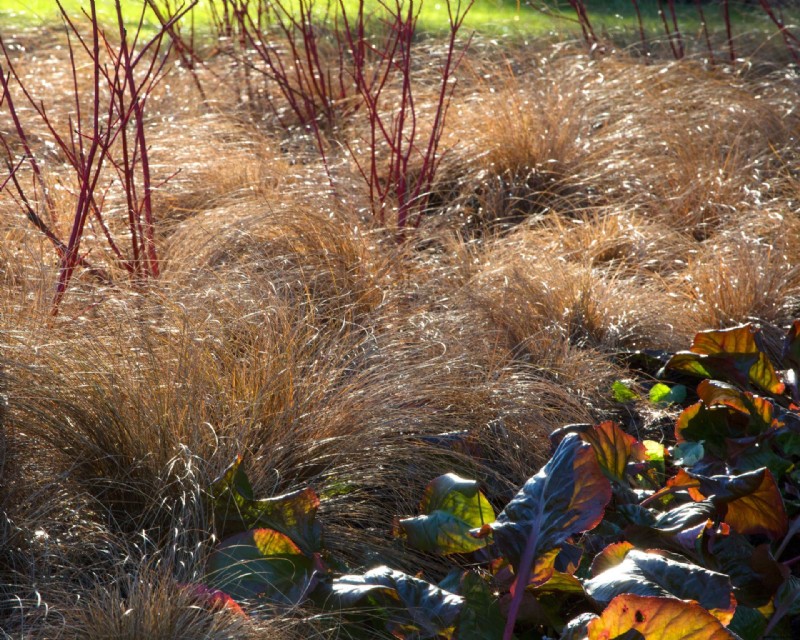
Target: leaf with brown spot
x=655 y=618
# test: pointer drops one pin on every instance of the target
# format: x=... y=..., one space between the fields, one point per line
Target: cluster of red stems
x=671 y=25
x=328 y=66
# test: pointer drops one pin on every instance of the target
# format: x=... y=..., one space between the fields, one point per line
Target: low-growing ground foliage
x=278 y=362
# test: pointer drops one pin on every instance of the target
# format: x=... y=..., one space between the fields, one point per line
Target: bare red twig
x=105 y=133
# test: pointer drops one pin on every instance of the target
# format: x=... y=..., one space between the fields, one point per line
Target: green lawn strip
x=491 y=17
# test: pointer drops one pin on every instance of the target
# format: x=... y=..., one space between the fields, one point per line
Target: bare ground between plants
x=584 y=207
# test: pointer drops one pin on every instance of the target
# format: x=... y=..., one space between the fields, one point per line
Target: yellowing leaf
x=450 y=507
x=656 y=618
x=613 y=448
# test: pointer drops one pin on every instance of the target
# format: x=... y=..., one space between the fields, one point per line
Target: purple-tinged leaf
x=651 y=574
x=414 y=608
x=568 y=496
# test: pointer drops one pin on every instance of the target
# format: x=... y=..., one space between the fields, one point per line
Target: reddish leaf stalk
x=790 y=40
x=642 y=35
x=726 y=17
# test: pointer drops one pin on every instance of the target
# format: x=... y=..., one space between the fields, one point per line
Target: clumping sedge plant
x=613 y=536
x=105 y=142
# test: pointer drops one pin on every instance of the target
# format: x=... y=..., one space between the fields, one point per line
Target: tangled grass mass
x=321 y=325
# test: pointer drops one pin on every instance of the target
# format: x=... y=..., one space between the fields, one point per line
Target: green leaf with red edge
x=451 y=507
x=609 y=557
x=293 y=514
x=655 y=618
x=567 y=496
x=750 y=503
x=614 y=448
x=652 y=574
x=412 y=607
x=262 y=564
x=733 y=355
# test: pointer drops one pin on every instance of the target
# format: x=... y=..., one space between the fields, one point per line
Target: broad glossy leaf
x=656 y=453
x=733 y=355
x=654 y=618
x=750 y=503
x=567 y=496
x=451 y=507
x=661 y=393
x=613 y=448
x=761 y=410
x=261 y=564
x=754 y=573
x=748 y=623
x=649 y=574
x=293 y=514
x=688 y=454
x=725 y=430
x=577 y=628
x=481 y=618
x=414 y=608
x=609 y=557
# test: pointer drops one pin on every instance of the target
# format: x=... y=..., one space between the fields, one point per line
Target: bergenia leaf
x=715 y=393
x=293 y=514
x=610 y=557
x=655 y=618
x=451 y=507
x=414 y=608
x=754 y=572
x=481 y=617
x=577 y=628
x=262 y=564
x=733 y=355
x=661 y=393
x=750 y=503
x=613 y=448
x=651 y=574
x=567 y=496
